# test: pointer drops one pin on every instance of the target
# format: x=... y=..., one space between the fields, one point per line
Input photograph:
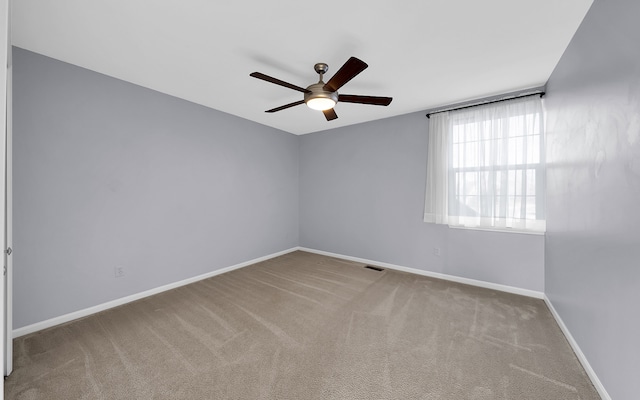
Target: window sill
x=505 y=230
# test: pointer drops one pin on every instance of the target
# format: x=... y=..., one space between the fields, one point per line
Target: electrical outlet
x=118 y=272
x=436 y=251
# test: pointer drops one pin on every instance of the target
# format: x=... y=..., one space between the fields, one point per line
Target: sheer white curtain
x=485 y=167
x=436 y=208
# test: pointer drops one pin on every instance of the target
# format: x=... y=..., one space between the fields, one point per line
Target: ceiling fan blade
x=330 y=114
x=348 y=71
x=295 y=103
x=373 y=100
x=268 y=78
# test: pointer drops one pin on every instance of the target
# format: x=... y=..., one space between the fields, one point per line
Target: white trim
x=578 y=352
x=5 y=101
x=25 y=330
x=8 y=215
x=438 y=275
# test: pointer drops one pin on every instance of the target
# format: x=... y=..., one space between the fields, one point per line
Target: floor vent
x=374 y=268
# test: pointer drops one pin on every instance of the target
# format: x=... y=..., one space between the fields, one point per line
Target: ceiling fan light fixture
x=321 y=103
x=317 y=98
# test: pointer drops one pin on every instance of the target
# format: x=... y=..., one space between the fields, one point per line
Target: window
x=486 y=167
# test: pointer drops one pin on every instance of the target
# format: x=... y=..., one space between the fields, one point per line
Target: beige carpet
x=304 y=326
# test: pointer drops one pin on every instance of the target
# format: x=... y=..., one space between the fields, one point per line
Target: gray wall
x=110 y=174
x=593 y=240
x=362 y=195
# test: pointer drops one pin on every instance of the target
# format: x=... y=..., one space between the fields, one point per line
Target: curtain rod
x=541 y=94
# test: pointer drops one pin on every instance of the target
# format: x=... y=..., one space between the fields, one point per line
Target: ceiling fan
x=324 y=96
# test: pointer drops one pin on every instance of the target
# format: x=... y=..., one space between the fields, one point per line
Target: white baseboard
x=25 y=330
x=579 y=354
x=452 y=278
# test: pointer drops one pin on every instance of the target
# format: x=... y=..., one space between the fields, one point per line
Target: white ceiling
x=423 y=53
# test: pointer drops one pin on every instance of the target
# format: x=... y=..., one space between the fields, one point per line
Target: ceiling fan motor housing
x=316 y=91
